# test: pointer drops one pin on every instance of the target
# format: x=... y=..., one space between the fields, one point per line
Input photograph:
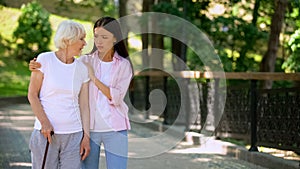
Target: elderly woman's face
x=77 y=46
x=104 y=40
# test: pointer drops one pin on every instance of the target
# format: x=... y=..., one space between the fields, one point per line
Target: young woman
x=110 y=72
x=58 y=95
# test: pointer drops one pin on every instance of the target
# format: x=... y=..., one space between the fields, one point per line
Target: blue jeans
x=116 y=150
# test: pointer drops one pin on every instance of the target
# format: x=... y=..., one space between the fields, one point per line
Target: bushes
x=5 y=48
x=33 y=33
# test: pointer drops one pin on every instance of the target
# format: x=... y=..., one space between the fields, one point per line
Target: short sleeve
x=42 y=60
x=86 y=74
x=83 y=58
x=83 y=72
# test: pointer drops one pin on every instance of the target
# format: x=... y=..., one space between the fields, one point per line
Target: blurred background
x=248 y=36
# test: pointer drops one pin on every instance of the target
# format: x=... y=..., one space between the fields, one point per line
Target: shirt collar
x=115 y=57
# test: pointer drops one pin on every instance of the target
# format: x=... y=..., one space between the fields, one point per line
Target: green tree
x=33 y=33
x=292 y=63
x=107 y=7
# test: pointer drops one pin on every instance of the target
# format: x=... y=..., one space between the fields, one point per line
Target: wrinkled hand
x=85 y=147
x=34 y=65
x=47 y=131
x=91 y=70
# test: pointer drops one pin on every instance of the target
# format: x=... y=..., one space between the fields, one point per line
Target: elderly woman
x=58 y=95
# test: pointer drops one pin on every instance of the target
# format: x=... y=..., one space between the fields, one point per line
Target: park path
x=16 y=121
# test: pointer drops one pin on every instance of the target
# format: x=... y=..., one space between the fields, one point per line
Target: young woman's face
x=104 y=40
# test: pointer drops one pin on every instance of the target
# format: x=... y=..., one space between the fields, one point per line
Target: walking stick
x=46 y=151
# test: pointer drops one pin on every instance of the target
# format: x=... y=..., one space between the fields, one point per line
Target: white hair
x=67 y=33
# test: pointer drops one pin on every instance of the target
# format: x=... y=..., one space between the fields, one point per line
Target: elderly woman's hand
x=85 y=147
x=47 y=130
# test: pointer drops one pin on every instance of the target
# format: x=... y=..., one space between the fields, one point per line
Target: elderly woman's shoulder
x=46 y=55
x=80 y=62
x=84 y=58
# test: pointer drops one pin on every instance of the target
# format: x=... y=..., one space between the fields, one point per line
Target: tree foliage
x=33 y=33
x=240 y=34
x=237 y=40
x=108 y=7
x=5 y=48
x=292 y=63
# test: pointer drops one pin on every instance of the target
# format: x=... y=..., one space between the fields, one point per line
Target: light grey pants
x=63 y=152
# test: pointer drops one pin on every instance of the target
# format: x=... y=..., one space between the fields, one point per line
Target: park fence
x=260 y=117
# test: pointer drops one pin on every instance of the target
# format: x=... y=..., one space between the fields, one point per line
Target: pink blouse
x=121 y=75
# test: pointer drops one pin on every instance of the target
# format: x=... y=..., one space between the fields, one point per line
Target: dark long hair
x=112 y=25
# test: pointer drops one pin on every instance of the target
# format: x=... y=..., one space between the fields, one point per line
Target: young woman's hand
x=91 y=71
x=34 y=65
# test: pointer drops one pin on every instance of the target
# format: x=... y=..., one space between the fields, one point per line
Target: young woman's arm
x=102 y=87
x=117 y=92
x=120 y=83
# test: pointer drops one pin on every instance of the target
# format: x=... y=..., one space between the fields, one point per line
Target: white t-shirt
x=104 y=69
x=60 y=91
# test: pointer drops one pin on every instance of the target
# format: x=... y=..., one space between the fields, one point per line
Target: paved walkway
x=148 y=149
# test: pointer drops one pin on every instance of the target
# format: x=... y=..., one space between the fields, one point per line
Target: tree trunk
x=269 y=59
x=122 y=8
x=145 y=37
x=157 y=49
x=255 y=12
x=157 y=45
x=122 y=13
x=179 y=50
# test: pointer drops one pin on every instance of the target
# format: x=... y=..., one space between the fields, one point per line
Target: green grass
x=14 y=77
x=235 y=141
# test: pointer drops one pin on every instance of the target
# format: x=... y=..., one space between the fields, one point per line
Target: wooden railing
x=224 y=75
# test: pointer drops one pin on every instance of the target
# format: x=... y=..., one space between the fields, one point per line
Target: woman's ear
x=66 y=42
